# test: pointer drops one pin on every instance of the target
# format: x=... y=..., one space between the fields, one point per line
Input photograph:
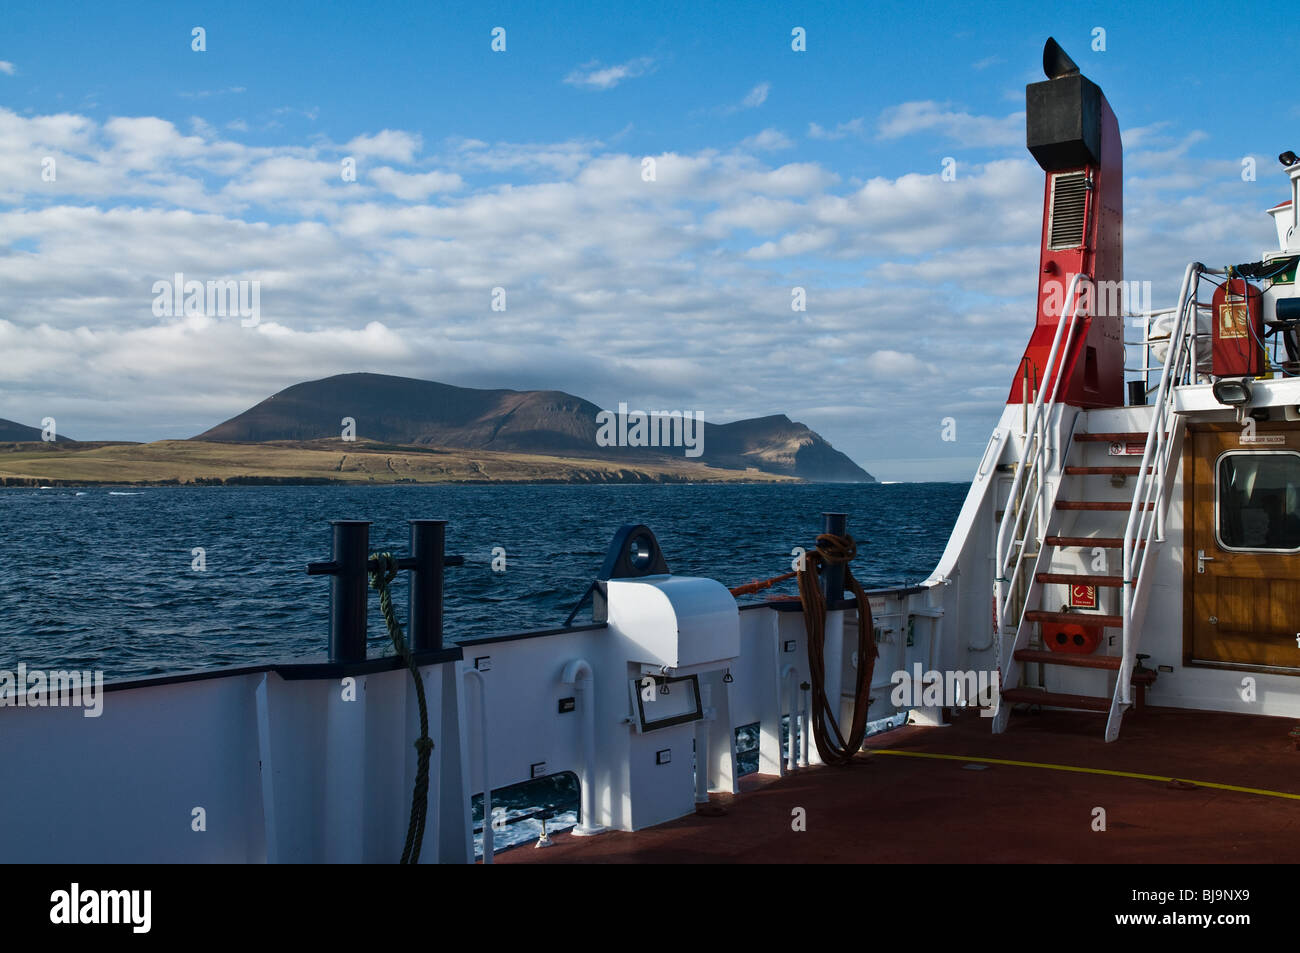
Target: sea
x=162 y=580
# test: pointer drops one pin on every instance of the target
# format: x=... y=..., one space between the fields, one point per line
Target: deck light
x=1288 y=159
x=1232 y=391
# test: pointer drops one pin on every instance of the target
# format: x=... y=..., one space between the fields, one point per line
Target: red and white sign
x=1127 y=449
x=1083 y=597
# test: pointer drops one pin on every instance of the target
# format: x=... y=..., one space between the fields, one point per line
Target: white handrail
x=1146 y=517
x=1035 y=431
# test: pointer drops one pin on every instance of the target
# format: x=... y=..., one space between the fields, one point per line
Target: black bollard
x=348 y=585
x=428 y=539
x=835 y=524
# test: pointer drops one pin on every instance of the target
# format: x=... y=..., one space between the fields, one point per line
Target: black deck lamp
x=1232 y=391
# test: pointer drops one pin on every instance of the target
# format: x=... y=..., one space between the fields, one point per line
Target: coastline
x=198 y=463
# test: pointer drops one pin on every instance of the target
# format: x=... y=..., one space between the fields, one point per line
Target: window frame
x=1218 y=500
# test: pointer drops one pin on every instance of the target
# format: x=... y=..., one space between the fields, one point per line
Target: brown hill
x=404 y=411
x=11 y=432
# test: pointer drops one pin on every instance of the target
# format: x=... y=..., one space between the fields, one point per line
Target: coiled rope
x=833 y=747
x=382 y=568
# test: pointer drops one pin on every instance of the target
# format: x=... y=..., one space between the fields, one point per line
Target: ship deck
x=1171 y=786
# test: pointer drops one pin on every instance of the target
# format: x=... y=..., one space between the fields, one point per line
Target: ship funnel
x=1056 y=62
x=1074 y=137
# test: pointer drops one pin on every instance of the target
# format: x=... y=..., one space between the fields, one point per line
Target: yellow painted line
x=1080 y=770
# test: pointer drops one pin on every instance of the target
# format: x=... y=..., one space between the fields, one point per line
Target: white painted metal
x=489 y=847
x=578 y=673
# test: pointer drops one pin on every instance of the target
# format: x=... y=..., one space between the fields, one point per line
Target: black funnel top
x=1056 y=62
x=1063 y=114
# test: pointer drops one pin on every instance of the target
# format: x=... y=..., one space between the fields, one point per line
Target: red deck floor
x=886 y=808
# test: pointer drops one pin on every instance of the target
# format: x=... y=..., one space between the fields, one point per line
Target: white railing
x=1146 y=517
x=1024 y=502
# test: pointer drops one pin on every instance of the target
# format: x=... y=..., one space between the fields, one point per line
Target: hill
x=405 y=411
x=12 y=432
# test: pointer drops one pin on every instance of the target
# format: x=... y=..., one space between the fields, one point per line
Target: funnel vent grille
x=1069 y=204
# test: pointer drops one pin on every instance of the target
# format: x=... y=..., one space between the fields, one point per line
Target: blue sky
x=479 y=169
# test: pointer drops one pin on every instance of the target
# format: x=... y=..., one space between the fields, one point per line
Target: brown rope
x=831 y=744
x=759 y=584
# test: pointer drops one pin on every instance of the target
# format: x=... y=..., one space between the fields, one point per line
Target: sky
x=524 y=170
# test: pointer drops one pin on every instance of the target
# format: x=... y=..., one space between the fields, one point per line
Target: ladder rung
x=1036 y=696
x=1069 y=659
x=1105 y=542
x=1099 y=506
x=1111 y=437
x=1081 y=579
x=1075 y=618
x=1105 y=471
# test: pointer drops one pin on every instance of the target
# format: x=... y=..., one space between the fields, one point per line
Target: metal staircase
x=1046 y=542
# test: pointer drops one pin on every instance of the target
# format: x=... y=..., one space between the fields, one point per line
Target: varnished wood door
x=1242 y=600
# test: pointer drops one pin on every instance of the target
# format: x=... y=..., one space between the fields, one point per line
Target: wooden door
x=1242 y=600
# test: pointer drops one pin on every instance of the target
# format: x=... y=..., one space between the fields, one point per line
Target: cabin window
x=1258 y=501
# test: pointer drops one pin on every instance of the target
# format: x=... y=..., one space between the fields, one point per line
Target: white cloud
x=752 y=100
x=914 y=118
x=7 y=68
x=756 y=96
x=893 y=364
x=769 y=140
x=595 y=76
x=853 y=127
x=672 y=293
x=389 y=144
x=414 y=188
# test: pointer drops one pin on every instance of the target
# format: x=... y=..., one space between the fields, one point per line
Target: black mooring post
x=835 y=524
x=428 y=539
x=348 y=585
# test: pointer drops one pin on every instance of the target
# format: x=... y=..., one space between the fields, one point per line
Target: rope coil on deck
x=831 y=743
x=382 y=569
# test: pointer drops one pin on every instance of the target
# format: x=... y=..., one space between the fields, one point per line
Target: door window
x=1258 y=501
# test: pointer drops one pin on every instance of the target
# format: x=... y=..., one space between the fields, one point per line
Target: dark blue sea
x=103 y=578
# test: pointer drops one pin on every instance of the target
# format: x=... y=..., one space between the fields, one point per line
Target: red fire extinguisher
x=1238 y=349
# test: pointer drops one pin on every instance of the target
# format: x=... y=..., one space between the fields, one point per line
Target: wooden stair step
x=1071 y=659
x=1036 y=696
x=1111 y=437
x=1099 y=506
x=1105 y=542
x=1104 y=471
x=1074 y=618
x=1080 y=579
